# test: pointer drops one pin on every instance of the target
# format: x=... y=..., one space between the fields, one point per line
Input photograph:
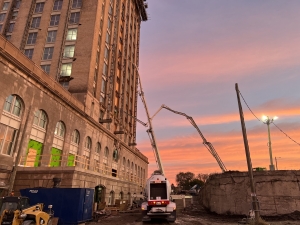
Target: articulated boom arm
x=207 y=144
x=136 y=119
x=150 y=130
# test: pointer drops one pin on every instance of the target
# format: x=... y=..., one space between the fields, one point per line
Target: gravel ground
x=194 y=215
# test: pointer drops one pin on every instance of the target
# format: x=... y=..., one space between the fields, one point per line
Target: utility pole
x=19 y=154
x=253 y=193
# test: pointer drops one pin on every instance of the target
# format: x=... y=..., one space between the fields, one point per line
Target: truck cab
x=159 y=203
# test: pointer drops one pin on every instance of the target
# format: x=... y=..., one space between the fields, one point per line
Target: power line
x=272 y=122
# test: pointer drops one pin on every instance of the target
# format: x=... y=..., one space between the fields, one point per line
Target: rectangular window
x=18 y=3
x=57 y=5
x=31 y=38
x=76 y=4
x=66 y=69
x=74 y=18
x=8 y=37
x=103 y=86
x=54 y=20
x=69 y=51
x=1 y=26
x=2 y=17
x=110 y=10
x=39 y=7
x=11 y=27
x=5 y=5
x=29 y=53
x=104 y=71
x=46 y=68
x=108 y=24
x=106 y=53
x=14 y=15
x=51 y=36
x=35 y=23
x=72 y=34
x=107 y=38
x=48 y=52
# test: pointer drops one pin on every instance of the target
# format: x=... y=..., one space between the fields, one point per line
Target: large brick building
x=83 y=71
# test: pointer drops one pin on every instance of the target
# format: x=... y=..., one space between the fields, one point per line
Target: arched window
x=131 y=172
x=74 y=146
x=10 y=124
x=87 y=152
x=98 y=148
x=58 y=143
x=40 y=119
x=60 y=129
x=97 y=157
x=105 y=161
x=88 y=143
x=121 y=195
x=128 y=169
x=37 y=137
x=106 y=152
x=116 y=155
x=111 y=198
x=13 y=105
x=75 y=137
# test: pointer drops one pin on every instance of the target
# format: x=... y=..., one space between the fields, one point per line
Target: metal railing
x=71 y=160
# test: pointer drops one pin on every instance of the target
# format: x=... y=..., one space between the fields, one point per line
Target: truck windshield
x=158 y=191
x=8 y=206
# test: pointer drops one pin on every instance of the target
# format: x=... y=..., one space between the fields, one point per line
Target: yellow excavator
x=17 y=211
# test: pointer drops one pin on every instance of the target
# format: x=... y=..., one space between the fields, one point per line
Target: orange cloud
x=187 y=153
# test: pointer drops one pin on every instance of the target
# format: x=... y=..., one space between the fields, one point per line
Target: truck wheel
x=172 y=217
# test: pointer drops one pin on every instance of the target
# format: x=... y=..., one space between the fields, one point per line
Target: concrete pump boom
x=207 y=144
x=150 y=130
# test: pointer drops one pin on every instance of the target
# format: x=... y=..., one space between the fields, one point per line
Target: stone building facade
x=81 y=69
x=91 y=47
x=46 y=133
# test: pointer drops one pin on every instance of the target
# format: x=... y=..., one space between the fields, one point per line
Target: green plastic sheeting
x=55 y=157
x=33 y=154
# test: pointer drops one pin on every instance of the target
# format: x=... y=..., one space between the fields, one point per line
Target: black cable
x=272 y=122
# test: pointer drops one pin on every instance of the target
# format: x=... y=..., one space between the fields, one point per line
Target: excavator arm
x=207 y=144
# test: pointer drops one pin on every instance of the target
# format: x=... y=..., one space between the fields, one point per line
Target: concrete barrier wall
x=278 y=192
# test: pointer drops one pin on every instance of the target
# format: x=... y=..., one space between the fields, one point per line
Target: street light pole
x=267 y=120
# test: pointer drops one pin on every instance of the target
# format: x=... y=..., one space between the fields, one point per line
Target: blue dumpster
x=70 y=205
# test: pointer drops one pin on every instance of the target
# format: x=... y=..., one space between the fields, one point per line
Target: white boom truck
x=158 y=189
x=159 y=204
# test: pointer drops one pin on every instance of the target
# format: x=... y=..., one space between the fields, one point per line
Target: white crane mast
x=150 y=131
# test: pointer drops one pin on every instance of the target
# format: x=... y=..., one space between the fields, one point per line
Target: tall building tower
x=91 y=47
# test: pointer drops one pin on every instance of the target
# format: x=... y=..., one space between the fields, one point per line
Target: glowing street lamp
x=267 y=120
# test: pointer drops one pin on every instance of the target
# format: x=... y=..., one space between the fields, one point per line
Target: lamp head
x=275 y=118
x=264 y=118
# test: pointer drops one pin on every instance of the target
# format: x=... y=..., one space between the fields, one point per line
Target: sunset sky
x=191 y=56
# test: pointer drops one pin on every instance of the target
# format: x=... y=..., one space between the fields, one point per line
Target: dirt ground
x=192 y=215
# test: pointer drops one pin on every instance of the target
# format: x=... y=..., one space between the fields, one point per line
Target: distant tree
x=183 y=180
x=203 y=177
